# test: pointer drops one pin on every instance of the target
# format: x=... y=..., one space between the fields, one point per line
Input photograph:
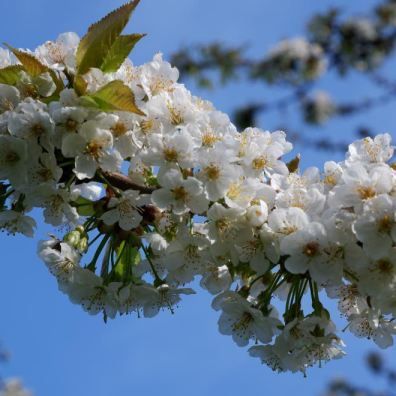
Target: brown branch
x=122 y=182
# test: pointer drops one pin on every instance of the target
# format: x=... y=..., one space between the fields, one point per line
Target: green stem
x=92 y=265
x=106 y=258
x=7 y=194
x=157 y=277
x=94 y=240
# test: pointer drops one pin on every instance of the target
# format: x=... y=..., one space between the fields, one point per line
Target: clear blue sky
x=59 y=350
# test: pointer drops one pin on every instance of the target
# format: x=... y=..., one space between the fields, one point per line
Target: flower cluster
x=294 y=61
x=13 y=387
x=318 y=108
x=164 y=190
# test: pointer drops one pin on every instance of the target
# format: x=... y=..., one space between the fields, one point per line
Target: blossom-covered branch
x=156 y=188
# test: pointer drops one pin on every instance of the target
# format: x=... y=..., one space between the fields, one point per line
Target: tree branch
x=122 y=182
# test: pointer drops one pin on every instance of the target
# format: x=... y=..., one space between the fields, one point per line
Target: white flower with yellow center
x=371 y=150
x=179 y=194
x=244 y=322
x=13 y=160
x=92 y=149
x=125 y=210
x=15 y=222
x=60 y=258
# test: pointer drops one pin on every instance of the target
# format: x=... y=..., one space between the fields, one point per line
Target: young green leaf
x=114 y=96
x=34 y=67
x=84 y=206
x=10 y=74
x=119 y=52
x=293 y=164
x=80 y=85
x=31 y=64
x=101 y=36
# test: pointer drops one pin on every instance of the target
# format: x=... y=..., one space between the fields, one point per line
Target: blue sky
x=58 y=349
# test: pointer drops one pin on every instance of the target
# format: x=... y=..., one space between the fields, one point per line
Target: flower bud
x=82 y=245
x=72 y=238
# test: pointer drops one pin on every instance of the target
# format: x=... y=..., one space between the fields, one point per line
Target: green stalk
x=92 y=265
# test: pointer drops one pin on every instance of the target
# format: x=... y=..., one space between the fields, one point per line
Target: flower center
x=259 y=163
x=330 y=180
x=243 y=322
x=170 y=154
x=384 y=266
x=146 y=125
x=176 y=116
x=234 y=191
x=11 y=157
x=125 y=207
x=209 y=139
x=119 y=129
x=37 y=130
x=180 y=194
x=94 y=149
x=223 y=225
x=212 y=172
x=366 y=192
x=71 y=125
x=311 y=249
x=385 y=224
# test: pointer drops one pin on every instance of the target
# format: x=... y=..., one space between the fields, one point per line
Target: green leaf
x=101 y=36
x=31 y=64
x=293 y=164
x=34 y=67
x=80 y=85
x=84 y=206
x=114 y=96
x=10 y=74
x=127 y=257
x=119 y=52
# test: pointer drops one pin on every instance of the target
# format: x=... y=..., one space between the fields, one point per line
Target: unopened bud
x=80 y=229
x=82 y=245
x=72 y=237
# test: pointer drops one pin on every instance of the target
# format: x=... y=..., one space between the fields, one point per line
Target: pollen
x=119 y=129
x=209 y=139
x=71 y=125
x=159 y=86
x=44 y=174
x=176 y=116
x=146 y=126
x=311 y=249
x=55 y=52
x=330 y=180
x=384 y=266
x=244 y=322
x=37 y=130
x=371 y=149
x=223 y=225
x=259 y=163
x=212 y=172
x=287 y=230
x=125 y=207
x=385 y=224
x=29 y=91
x=180 y=194
x=6 y=104
x=94 y=149
x=366 y=192
x=130 y=74
x=234 y=191
x=11 y=157
x=170 y=154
